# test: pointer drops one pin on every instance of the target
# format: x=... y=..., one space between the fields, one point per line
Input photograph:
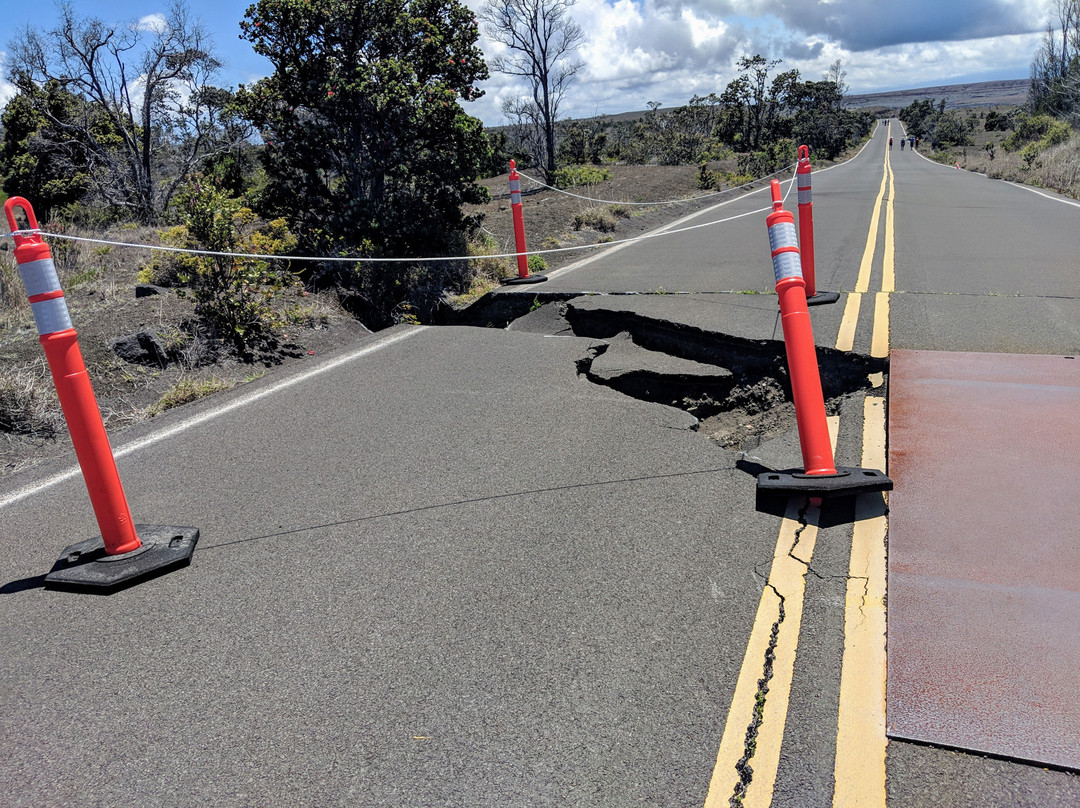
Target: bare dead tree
x=151 y=116
x=838 y=76
x=540 y=38
x=526 y=128
x=1055 y=69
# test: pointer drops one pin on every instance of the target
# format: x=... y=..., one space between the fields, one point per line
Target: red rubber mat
x=984 y=553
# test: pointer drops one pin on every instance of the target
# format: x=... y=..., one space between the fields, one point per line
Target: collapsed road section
x=720 y=358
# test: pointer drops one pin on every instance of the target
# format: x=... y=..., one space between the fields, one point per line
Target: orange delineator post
x=799 y=341
x=806 y=220
x=806 y=232
x=819 y=477
x=77 y=400
x=519 y=230
x=118 y=557
x=519 y=221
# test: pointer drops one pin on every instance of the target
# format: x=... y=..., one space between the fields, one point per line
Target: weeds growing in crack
x=743 y=767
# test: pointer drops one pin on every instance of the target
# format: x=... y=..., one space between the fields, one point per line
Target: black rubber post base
x=85 y=567
x=822 y=298
x=846 y=482
x=526 y=279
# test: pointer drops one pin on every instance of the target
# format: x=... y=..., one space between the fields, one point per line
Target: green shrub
x=706 y=180
x=1030 y=154
x=537 y=264
x=233 y=296
x=574 y=176
x=167 y=268
x=1059 y=132
x=1029 y=128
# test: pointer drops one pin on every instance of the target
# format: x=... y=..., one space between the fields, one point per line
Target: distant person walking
x=890 y=143
x=902 y=142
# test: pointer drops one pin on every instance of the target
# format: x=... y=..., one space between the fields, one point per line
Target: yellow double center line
x=749 y=753
x=859 y=770
x=845 y=339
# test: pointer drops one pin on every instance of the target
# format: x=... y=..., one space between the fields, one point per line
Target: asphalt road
x=444 y=568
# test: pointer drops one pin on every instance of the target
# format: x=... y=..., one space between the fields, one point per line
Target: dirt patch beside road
x=549 y=215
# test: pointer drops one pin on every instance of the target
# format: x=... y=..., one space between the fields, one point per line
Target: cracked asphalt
x=444 y=568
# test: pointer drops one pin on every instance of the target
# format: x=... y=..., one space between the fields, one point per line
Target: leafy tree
x=368 y=150
x=540 y=38
x=36 y=160
x=999 y=121
x=950 y=130
x=821 y=122
x=752 y=104
x=497 y=158
x=583 y=141
x=149 y=81
x=920 y=116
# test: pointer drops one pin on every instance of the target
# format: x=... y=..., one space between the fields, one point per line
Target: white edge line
x=195 y=420
x=1039 y=193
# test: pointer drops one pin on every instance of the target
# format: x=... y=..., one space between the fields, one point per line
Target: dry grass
x=14 y=307
x=487 y=272
x=28 y=402
x=312 y=310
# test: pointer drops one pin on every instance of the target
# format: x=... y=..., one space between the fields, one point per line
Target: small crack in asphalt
x=803 y=524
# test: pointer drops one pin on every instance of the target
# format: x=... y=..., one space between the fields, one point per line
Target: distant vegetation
x=1036 y=144
x=759 y=118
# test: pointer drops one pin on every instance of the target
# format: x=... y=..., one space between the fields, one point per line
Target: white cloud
x=155 y=23
x=669 y=50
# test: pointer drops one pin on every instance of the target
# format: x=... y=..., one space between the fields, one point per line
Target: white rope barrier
x=417 y=260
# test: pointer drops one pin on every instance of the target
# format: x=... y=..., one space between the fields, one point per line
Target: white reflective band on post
x=782 y=234
x=39 y=277
x=515 y=192
x=806 y=196
x=51 y=315
x=786 y=265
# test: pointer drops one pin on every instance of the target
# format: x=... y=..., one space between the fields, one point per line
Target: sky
x=666 y=51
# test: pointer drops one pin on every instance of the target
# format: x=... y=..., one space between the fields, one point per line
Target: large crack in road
x=738 y=389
